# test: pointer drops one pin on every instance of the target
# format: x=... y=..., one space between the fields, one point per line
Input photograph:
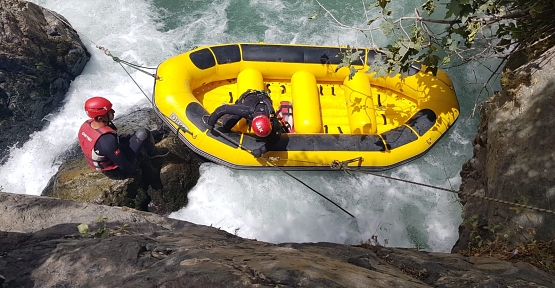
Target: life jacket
x=87 y=139
x=285 y=115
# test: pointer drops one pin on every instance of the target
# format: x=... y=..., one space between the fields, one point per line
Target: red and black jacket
x=88 y=137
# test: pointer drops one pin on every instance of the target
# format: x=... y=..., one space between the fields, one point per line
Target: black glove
x=256 y=153
x=205 y=119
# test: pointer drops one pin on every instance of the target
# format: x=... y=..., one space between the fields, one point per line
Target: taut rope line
x=348 y=169
x=298 y=180
x=458 y=192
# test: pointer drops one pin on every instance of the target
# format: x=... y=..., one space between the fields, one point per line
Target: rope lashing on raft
x=340 y=165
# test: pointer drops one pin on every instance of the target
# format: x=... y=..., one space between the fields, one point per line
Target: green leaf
x=105 y=234
x=453 y=9
x=383 y=3
x=472 y=29
x=378 y=58
x=83 y=228
x=381 y=71
x=101 y=218
x=460 y=31
x=453 y=46
x=341 y=65
x=387 y=27
x=405 y=46
x=403 y=50
x=371 y=21
x=352 y=72
x=395 y=71
x=535 y=11
x=354 y=57
x=485 y=7
x=429 y=6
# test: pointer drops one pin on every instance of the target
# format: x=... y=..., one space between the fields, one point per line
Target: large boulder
x=161 y=188
x=513 y=162
x=41 y=54
x=41 y=245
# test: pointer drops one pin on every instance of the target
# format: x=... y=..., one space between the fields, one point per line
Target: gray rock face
x=514 y=161
x=40 y=55
x=40 y=246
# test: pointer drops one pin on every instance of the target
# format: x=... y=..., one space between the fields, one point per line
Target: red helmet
x=261 y=125
x=97 y=106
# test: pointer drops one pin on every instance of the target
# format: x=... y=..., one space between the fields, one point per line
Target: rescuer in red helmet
x=256 y=107
x=104 y=149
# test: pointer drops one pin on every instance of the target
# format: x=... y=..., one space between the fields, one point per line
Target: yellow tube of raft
x=360 y=105
x=306 y=102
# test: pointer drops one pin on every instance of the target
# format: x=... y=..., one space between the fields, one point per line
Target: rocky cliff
x=41 y=246
x=41 y=54
x=514 y=161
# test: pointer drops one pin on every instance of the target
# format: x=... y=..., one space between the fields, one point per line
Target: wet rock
x=41 y=54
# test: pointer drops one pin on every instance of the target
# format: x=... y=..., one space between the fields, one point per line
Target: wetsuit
x=119 y=149
x=249 y=105
x=113 y=152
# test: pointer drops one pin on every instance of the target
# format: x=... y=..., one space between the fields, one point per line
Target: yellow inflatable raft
x=364 y=122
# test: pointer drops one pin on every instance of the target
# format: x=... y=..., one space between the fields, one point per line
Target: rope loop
x=343 y=165
x=336 y=165
x=103 y=49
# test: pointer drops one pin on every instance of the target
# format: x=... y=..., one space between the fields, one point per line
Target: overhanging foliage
x=468 y=30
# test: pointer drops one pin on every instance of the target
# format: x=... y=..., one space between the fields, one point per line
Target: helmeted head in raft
x=261 y=125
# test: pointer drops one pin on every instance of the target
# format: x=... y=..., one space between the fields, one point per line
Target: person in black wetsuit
x=256 y=107
x=107 y=151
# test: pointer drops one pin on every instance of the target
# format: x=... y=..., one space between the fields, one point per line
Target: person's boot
x=157 y=152
x=159 y=133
